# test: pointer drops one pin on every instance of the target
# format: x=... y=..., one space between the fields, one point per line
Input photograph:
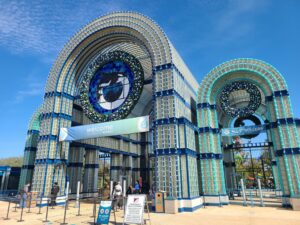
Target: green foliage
x=12 y=161
x=250 y=168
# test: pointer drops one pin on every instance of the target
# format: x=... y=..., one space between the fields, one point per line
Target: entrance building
x=122 y=65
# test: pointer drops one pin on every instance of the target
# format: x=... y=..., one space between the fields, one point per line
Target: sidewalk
x=231 y=215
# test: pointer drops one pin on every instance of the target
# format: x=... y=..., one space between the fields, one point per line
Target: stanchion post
x=7 y=209
x=65 y=212
x=21 y=216
x=94 y=211
x=77 y=195
x=52 y=203
x=78 y=213
x=220 y=203
x=203 y=200
x=94 y=206
x=40 y=206
x=243 y=192
x=46 y=219
x=111 y=189
x=16 y=204
x=30 y=199
x=260 y=193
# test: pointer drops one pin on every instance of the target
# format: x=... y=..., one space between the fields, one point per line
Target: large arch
x=168 y=96
x=275 y=108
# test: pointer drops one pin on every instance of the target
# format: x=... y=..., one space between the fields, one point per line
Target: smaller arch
x=262 y=69
x=34 y=123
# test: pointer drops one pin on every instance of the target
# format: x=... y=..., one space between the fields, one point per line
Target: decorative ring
x=111 y=87
x=253 y=105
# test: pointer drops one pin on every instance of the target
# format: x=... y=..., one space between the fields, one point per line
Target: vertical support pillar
x=91 y=167
x=211 y=157
x=116 y=166
x=75 y=167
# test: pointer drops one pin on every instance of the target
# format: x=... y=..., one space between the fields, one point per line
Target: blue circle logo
x=111 y=86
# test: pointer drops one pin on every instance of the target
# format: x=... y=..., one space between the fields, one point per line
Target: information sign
x=104 y=212
x=134 y=209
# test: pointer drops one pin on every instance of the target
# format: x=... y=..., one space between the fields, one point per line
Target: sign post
x=104 y=212
x=134 y=213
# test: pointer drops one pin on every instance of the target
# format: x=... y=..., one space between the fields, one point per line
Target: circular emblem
x=111 y=86
x=254 y=99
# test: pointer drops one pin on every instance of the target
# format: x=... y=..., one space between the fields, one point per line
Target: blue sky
x=205 y=33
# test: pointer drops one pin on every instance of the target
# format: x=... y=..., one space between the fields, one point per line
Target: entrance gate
x=252 y=163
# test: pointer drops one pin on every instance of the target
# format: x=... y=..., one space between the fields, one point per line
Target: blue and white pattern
x=111 y=86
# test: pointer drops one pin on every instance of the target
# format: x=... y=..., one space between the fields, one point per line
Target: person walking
x=137 y=187
x=23 y=195
x=129 y=190
x=54 y=191
x=117 y=195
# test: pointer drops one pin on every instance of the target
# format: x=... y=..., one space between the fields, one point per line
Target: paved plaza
x=231 y=214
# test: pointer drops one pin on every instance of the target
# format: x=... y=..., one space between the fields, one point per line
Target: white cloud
x=233 y=22
x=34 y=86
x=43 y=27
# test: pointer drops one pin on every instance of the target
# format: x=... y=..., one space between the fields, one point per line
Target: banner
x=104 y=212
x=239 y=131
x=134 y=212
x=118 y=127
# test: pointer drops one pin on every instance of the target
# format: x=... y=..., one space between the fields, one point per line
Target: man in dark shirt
x=54 y=191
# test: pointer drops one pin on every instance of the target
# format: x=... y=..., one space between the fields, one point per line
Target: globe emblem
x=111 y=86
x=112 y=90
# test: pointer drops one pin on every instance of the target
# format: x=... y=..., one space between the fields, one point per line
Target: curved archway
x=275 y=107
x=30 y=149
x=165 y=76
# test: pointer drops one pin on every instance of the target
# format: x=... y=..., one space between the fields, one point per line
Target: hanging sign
x=134 y=209
x=104 y=212
x=245 y=130
x=118 y=127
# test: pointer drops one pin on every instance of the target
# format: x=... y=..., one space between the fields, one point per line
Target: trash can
x=159 y=202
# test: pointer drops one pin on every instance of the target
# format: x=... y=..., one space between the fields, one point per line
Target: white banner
x=118 y=127
x=134 y=211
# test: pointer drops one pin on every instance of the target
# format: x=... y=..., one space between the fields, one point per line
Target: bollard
x=243 y=192
x=220 y=203
x=40 y=206
x=29 y=204
x=7 y=210
x=46 y=219
x=65 y=213
x=78 y=213
x=21 y=216
x=260 y=194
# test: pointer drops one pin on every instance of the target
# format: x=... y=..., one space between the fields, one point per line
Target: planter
x=295 y=202
x=171 y=206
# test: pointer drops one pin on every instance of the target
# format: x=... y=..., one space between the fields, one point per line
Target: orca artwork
x=110 y=86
